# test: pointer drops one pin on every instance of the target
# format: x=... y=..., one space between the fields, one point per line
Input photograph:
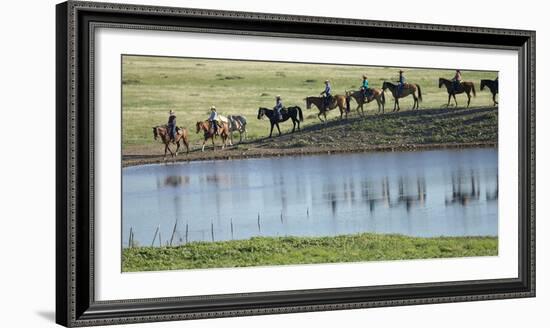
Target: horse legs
x=449 y=101
x=277 y=124
x=494 y=100
x=293 y=125
x=456 y=102
x=203 y=144
x=167 y=147
x=271 y=132
x=319 y=116
x=213 y=144
x=186 y=143
x=469 y=98
x=177 y=148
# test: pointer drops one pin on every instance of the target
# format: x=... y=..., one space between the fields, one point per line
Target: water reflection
x=312 y=196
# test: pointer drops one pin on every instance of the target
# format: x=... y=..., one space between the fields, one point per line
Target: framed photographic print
x=214 y=163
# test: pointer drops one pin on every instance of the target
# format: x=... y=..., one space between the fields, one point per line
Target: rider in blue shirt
x=172 y=125
x=327 y=93
x=365 y=87
x=401 y=82
x=213 y=118
x=278 y=107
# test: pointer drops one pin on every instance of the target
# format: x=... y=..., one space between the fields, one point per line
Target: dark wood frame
x=75 y=303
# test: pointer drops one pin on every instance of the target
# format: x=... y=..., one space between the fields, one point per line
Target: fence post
x=173 y=232
x=155 y=236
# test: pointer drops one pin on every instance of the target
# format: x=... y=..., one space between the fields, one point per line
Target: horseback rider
x=213 y=119
x=278 y=108
x=365 y=87
x=457 y=79
x=172 y=125
x=401 y=82
x=328 y=95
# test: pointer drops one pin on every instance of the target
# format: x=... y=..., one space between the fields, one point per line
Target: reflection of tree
x=465 y=188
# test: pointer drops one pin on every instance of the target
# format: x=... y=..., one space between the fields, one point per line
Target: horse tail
x=474 y=88
x=300 y=115
x=347 y=103
x=419 y=92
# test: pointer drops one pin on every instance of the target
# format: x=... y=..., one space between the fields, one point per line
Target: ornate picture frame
x=77 y=22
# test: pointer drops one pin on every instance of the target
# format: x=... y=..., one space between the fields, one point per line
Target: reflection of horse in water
x=176 y=181
x=410 y=198
x=463 y=193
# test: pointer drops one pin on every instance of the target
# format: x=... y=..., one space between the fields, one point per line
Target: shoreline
x=233 y=152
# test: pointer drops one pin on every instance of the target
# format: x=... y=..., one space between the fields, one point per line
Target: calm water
x=429 y=193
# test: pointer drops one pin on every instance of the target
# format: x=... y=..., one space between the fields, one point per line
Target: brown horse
x=406 y=90
x=454 y=89
x=181 y=136
x=208 y=130
x=342 y=102
x=360 y=99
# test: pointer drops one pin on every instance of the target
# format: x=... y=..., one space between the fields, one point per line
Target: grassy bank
x=263 y=251
x=406 y=131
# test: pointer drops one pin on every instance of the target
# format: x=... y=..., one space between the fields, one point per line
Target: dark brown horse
x=373 y=94
x=181 y=136
x=493 y=87
x=406 y=90
x=293 y=112
x=342 y=102
x=454 y=89
x=208 y=129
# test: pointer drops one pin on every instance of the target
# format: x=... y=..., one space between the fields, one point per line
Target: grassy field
x=151 y=86
x=263 y=251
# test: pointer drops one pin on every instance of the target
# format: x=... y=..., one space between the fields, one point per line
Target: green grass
x=151 y=86
x=263 y=251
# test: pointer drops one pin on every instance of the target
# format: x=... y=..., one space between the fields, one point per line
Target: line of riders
x=218 y=124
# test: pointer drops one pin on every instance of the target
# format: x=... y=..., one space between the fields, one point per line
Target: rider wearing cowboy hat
x=172 y=125
x=213 y=119
x=327 y=94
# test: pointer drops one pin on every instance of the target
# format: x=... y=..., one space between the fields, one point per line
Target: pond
x=425 y=193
